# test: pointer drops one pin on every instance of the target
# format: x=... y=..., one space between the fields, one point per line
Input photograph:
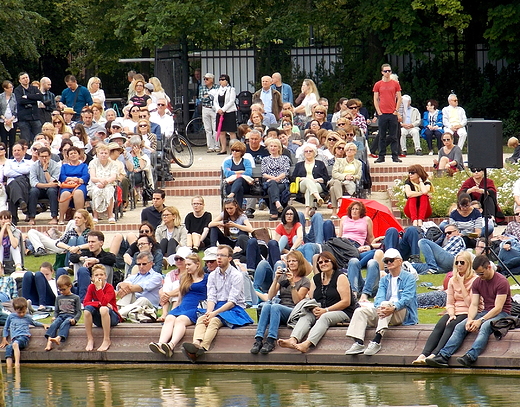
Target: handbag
x=294 y=187
x=256 y=188
x=147 y=190
x=69 y=185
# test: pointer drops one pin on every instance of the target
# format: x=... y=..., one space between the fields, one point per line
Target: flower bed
x=446 y=188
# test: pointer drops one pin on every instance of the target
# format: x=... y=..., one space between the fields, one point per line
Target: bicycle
x=195 y=132
x=178 y=149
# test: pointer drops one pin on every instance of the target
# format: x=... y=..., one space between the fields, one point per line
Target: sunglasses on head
x=461 y=262
x=388 y=261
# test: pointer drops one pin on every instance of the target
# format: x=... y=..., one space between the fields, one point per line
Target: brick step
x=178 y=173
x=191 y=182
x=395 y=168
x=193 y=190
x=102 y=226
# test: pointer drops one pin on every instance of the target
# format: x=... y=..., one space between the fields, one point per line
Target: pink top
x=356 y=230
x=457 y=300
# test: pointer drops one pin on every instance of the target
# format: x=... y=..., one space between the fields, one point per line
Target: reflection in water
x=107 y=386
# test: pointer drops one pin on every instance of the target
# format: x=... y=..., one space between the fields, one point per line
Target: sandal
x=167 y=349
x=112 y=220
x=61 y=222
x=332 y=217
x=273 y=217
x=95 y=221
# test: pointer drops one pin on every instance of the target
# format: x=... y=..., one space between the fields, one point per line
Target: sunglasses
x=353 y=107
x=143 y=125
x=388 y=261
x=144 y=231
x=235 y=151
x=340 y=148
x=141 y=264
x=2 y=149
x=387 y=70
x=221 y=79
x=461 y=262
x=332 y=139
x=349 y=134
x=161 y=104
x=178 y=258
x=341 y=124
x=516 y=214
x=319 y=112
x=412 y=172
x=446 y=139
x=323 y=261
x=77 y=132
x=142 y=244
x=449 y=232
x=308 y=151
x=55 y=114
x=210 y=261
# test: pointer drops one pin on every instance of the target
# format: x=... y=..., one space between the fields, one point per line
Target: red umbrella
x=380 y=214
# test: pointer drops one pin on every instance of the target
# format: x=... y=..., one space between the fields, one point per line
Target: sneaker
x=269 y=346
x=256 y=347
x=431 y=271
x=40 y=251
x=431 y=152
x=437 y=361
x=355 y=349
x=372 y=349
x=250 y=213
x=418 y=152
x=380 y=160
x=466 y=360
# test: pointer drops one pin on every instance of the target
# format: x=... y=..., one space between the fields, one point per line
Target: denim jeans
x=23 y=342
x=272 y=315
x=480 y=342
x=435 y=256
x=264 y=275
x=36 y=288
x=511 y=258
x=320 y=231
x=60 y=326
x=359 y=285
x=255 y=253
x=309 y=250
x=407 y=245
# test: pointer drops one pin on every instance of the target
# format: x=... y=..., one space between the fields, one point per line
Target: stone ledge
x=401 y=345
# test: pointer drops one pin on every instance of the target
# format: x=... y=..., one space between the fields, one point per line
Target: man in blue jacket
x=395 y=304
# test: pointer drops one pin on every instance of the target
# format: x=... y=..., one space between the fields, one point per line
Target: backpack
x=342 y=249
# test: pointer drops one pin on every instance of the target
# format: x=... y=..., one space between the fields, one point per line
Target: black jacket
x=28 y=106
x=105 y=258
x=319 y=171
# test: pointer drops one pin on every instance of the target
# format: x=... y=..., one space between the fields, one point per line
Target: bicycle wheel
x=181 y=151
x=195 y=132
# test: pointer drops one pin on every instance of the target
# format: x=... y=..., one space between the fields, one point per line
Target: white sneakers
x=355 y=349
x=370 y=350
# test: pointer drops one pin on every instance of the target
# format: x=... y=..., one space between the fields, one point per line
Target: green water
x=105 y=386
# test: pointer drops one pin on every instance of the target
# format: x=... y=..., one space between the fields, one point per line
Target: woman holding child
x=192 y=291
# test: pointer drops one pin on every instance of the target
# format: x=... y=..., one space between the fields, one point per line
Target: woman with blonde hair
x=94 y=87
x=192 y=290
x=459 y=294
x=158 y=91
x=171 y=233
x=310 y=97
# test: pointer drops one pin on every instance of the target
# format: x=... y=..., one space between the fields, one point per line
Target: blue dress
x=79 y=171
x=190 y=302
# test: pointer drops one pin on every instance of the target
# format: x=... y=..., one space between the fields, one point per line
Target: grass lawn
x=426 y=316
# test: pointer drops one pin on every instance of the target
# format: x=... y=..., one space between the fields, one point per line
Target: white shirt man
x=454 y=119
x=163 y=118
x=410 y=123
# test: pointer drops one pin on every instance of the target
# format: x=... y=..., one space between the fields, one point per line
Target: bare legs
x=174 y=329
x=105 y=323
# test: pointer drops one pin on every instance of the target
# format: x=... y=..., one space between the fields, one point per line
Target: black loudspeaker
x=485 y=144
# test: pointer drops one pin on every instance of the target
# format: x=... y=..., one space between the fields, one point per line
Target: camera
x=284 y=271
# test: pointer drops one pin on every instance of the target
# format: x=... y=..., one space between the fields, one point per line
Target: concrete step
x=400 y=346
x=187 y=173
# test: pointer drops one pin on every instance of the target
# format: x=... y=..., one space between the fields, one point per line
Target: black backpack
x=342 y=249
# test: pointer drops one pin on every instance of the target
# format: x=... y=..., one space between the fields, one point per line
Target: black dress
x=230 y=118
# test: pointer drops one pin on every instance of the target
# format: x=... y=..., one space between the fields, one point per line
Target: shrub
x=446 y=189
